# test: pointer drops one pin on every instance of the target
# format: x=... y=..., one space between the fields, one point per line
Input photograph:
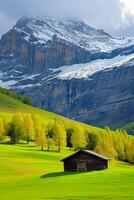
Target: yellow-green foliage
x=2 y=129
x=59 y=134
x=40 y=137
x=78 y=138
x=114 y=144
x=130 y=150
x=18 y=125
x=28 y=127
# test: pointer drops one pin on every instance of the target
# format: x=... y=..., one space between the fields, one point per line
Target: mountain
x=70 y=68
x=9 y=105
x=129 y=128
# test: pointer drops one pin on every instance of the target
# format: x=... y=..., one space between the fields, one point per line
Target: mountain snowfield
x=86 y=70
x=40 y=31
x=76 y=71
x=43 y=29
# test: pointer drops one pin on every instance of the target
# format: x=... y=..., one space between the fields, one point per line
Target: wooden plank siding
x=83 y=161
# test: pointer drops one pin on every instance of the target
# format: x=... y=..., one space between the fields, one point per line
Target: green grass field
x=8 y=106
x=28 y=174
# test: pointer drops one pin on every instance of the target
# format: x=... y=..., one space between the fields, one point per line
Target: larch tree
x=78 y=138
x=40 y=138
x=18 y=126
x=130 y=150
x=2 y=129
x=59 y=135
x=104 y=145
x=118 y=142
x=29 y=130
x=49 y=136
x=92 y=140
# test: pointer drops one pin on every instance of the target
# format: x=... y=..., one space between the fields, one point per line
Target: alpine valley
x=70 y=68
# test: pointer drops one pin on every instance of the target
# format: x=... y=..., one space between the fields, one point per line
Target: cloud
x=6 y=22
x=114 y=16
x=127 y=7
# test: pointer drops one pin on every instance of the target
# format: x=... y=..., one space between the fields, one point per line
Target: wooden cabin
x=85 y=160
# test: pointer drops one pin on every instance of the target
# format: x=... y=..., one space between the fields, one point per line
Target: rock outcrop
x=96 y=84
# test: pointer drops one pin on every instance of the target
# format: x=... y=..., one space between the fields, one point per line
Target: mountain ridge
x=53 y=61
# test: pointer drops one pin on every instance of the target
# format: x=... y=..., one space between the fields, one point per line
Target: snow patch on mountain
x=79 y=71
x=7 y=84
x=28 y=86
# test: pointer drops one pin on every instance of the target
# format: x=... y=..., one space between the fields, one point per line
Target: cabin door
x=81 y=166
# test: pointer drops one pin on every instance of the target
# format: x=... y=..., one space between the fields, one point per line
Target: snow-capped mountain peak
x=40 y=30
x=66 y=66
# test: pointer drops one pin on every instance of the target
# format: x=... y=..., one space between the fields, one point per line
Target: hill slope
x=8 y=106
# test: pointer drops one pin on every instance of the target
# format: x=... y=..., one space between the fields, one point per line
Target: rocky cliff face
x=106 y=99
x=70 y=68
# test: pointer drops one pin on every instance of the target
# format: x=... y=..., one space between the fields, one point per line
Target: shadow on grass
x=59 y=174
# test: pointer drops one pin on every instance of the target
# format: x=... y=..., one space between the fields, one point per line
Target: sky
x=114 y=16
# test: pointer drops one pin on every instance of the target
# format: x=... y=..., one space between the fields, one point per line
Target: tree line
x=27 y=127
x=24 y=99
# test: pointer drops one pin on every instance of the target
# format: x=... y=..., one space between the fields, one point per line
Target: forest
x=27 y=127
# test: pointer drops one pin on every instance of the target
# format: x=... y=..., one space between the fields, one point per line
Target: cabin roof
x=87 y=152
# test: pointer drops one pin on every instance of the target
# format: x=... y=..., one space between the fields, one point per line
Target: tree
x=10 y=131
x=49 y=142
x=119 y=145
x=2 y=129
x=17 y=126
x=29 y=130
x=78 y=139
x=130 y=150
x=104 y=145
x=59 y=135
x=36 y=122
x=92 y=140
x=69 y=132
x=14 y=128
x=27 y=100
x=41 y=137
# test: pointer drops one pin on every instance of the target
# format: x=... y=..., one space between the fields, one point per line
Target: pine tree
x=79 y=139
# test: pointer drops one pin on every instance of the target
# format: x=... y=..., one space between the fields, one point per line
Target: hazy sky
x=114 y=16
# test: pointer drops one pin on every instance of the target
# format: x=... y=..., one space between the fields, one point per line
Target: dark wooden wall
x=85 y=162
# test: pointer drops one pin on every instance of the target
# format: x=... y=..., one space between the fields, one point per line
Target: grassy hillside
x=129 y=128
x=8 y=106
x=26 y=173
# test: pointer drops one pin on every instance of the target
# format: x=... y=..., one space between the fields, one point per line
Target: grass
x=8 y=106
x=28 y=174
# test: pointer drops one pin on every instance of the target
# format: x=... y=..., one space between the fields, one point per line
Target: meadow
x=9 y=105
x=29 y=174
